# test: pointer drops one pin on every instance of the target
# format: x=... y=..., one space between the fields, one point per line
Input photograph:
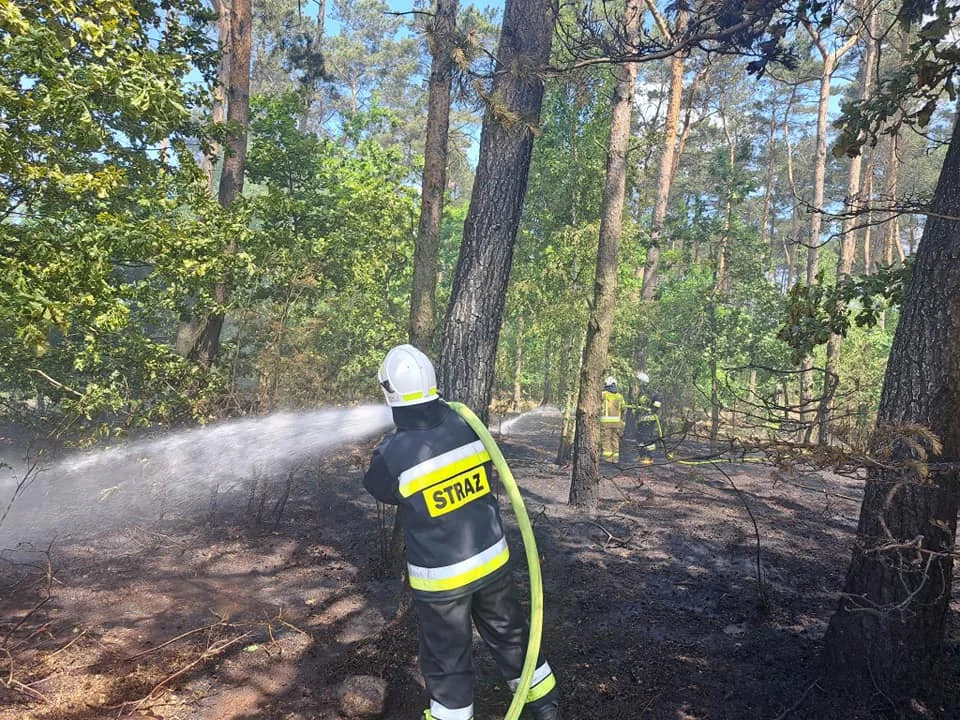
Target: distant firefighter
x=612 y=406
x=647 y=412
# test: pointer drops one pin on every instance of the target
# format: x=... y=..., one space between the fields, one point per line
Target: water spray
x=530 y=550
x=108 y=486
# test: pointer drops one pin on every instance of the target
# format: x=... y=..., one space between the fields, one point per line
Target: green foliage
x=332 y=247
x=86 y=87
x=88 y=92
x=815 y=312
x=927 y=76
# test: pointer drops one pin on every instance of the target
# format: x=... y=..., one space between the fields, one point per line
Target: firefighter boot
x=546 y=708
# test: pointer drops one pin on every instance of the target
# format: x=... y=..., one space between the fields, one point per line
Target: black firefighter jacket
x=436 y=470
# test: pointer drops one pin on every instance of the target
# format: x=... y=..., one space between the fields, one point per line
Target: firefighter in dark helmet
x=437 y=471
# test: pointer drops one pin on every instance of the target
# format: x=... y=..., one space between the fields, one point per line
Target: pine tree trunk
x=848 y=246
x=518 y=367
x=830 y=59
x=547 y=393
x=472 y=327
x=868 y=187
x=190 y=325
x=207 y=343
x=423 y=295
x=790 y=244
x=667 y=167
x=813 y=238
x=890 y=624
x=585 y=484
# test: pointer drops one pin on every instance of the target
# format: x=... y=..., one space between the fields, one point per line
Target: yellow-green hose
x=530 y=548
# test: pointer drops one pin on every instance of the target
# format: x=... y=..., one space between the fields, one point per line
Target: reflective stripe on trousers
x=439 y=711
x=543 y=682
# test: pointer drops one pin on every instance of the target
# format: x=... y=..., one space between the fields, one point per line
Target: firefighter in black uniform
x=436 y=470
x=647 y=408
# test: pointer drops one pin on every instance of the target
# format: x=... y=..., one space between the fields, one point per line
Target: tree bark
x=667 y=166
x=848 y=243
x=518 y=367
x=190 y=325
x=207 y=343
x=868 y=187
x=423 y=295
x=830 y=59
x=585 y=484
x=791 y=244
x=890 y=623
x=472 y=326
x=547 y=392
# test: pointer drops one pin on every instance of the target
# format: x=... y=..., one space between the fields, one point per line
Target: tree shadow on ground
x=654 y=607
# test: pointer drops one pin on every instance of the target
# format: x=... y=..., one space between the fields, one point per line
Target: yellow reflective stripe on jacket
x=451 y=577
x=441 y=467
x=612 y=406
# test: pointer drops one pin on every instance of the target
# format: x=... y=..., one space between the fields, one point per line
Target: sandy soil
x=670 y=604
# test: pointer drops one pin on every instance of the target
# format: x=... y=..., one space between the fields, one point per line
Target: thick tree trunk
x=890 y=623
x=472 y=326
x=207 y=342
x=423 y=295
x=585 y=484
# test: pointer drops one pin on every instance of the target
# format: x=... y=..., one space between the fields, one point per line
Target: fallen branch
x=210 y=652
x=154 y=649
x=798 y=703
x=756 y=530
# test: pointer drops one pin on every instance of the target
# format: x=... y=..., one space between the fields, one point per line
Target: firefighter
x=436 y=470
x=612 y=405
x=647 y=410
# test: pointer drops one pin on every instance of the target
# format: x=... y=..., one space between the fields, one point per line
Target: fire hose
x=530 y=549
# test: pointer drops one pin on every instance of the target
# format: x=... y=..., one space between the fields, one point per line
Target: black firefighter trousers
x=446 y=650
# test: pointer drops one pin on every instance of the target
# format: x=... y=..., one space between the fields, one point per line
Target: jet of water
x=184 y=467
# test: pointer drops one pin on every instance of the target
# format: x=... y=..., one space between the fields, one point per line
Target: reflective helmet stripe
x=416 y=395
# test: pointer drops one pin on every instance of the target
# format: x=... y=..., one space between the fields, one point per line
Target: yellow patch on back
x=457 y=491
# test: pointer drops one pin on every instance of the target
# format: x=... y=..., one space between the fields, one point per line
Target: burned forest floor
x=698 y=592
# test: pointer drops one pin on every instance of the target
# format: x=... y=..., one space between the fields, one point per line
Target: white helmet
x=611 y=380
x=407 y=377
x=642 y=376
